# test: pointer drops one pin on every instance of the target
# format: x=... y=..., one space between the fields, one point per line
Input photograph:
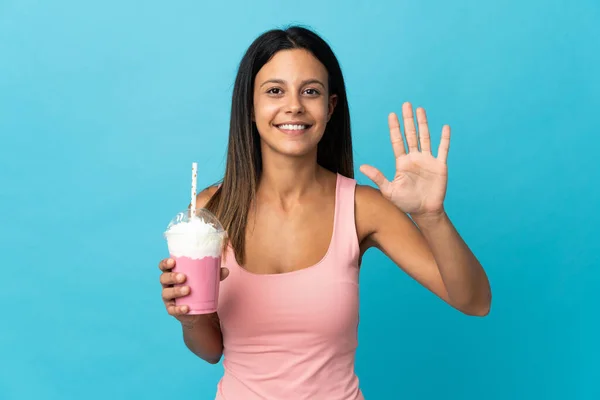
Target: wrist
x=429 y=218
x=199 y=321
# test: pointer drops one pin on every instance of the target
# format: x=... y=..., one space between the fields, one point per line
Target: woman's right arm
x=204 y=338
x=201 y=333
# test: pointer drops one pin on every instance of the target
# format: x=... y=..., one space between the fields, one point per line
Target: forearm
x=464 y=278
x=204 y=338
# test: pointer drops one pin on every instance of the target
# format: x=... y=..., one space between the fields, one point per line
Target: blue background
x=104 y=105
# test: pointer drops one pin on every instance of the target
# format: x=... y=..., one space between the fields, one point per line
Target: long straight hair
x=232 y=201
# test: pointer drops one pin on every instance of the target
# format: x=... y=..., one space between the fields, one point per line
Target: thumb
x=224 y=273
x=375 y=175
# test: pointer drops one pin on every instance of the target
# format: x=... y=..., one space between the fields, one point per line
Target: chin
x=297 y=147
x=290 y=149
x=297 y=151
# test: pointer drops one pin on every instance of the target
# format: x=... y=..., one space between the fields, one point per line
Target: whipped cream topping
x=194 y=239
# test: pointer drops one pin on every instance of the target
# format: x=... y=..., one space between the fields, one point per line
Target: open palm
x=419 y=185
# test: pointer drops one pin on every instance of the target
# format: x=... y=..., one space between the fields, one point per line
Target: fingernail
x=185 y=290
x=180 y=277
x=169 y=262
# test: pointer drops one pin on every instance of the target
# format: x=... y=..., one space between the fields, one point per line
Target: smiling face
x=292 y=104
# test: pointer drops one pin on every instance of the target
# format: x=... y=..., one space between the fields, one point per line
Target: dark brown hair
x=244 y=158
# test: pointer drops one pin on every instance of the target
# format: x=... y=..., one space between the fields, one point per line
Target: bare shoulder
x=367 y=194
x=370 y=202
x=367 y=200
x=374 y=214
x=204 y=196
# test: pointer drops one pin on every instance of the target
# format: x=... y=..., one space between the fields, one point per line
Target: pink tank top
x=293 y=336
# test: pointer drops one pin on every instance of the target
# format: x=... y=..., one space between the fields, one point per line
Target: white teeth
x=288 y=127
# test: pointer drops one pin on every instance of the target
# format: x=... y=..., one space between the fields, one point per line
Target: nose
x=294 y=105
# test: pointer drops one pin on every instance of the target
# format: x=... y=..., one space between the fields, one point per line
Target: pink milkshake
x=195 y=243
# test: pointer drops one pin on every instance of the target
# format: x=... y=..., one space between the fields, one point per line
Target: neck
x=288 y=178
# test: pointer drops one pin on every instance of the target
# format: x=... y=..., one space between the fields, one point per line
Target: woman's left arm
x=463 y=275
x=430 y=249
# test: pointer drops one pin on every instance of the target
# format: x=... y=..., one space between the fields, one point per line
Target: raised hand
x=419 y=185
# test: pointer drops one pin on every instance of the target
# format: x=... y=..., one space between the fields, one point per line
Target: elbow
x=213 y=360
x=209 y=358
x=212 y=357
x=479 y=311
x=484 y=309
x=477 y=308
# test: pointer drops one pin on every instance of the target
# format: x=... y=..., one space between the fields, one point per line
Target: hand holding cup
x=174 y=287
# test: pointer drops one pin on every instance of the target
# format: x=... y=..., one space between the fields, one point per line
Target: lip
x=293 y=123
x=294 y=132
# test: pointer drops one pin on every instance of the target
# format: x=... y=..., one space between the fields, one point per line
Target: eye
x=312 y=92
x=275 y=91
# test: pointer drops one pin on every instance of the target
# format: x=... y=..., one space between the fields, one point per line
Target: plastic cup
x=195 y=242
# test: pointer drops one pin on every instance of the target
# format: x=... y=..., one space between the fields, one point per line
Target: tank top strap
x=345 y=237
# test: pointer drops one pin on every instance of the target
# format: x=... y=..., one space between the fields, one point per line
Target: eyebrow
x=303 y=83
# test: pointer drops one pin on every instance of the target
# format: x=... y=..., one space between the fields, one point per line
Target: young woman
x=299 y=225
